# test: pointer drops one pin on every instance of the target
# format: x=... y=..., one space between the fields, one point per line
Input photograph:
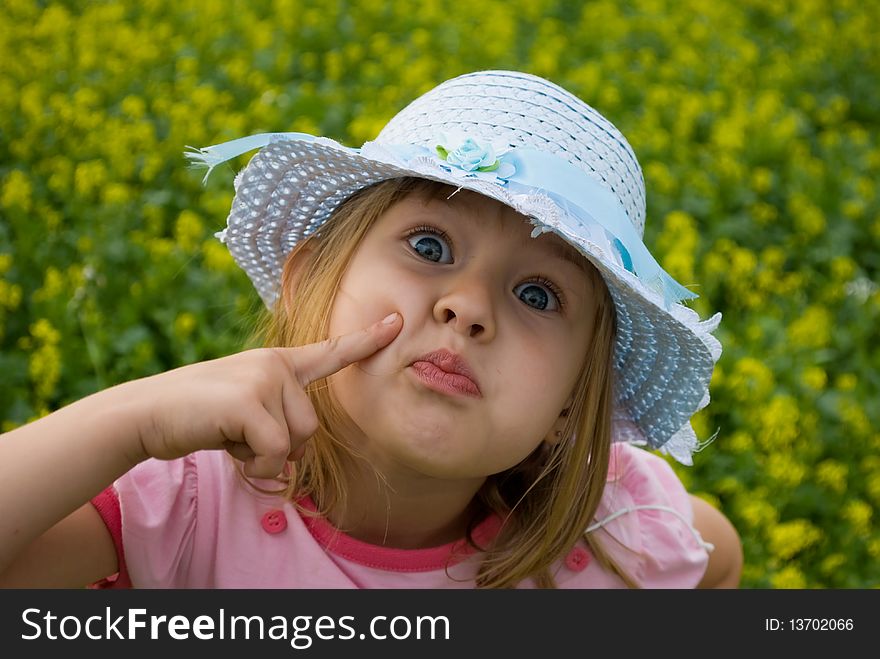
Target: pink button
x=274 y=521
x=577 y=559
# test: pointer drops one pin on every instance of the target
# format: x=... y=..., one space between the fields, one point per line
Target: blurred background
x=756 y=124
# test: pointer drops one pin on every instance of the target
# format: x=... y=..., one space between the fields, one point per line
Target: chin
x=429 y=439
x=438 y=450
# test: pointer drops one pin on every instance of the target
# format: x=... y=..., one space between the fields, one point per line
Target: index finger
x=318 y=360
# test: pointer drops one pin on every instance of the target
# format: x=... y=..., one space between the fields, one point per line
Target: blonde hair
x=546 y=502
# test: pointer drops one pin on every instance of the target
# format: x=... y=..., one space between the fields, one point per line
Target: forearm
x=52 y=466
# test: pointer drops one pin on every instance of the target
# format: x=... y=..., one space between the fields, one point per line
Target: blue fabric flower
x=473 y=157
x=470 y=156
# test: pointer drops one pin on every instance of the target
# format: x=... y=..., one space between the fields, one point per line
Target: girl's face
x=513 y=315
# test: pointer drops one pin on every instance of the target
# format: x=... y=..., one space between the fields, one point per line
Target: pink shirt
x=193 y=523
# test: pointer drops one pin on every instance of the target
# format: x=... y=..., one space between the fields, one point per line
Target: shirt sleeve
x=157 y=502
x=107 y=505
x=647 y=518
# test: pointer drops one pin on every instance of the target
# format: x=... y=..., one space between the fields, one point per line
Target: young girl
x=501 y=344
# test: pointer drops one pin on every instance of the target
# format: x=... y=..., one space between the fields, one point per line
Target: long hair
x=546 y=502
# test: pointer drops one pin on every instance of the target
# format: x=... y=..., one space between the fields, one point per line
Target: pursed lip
x=450 y=362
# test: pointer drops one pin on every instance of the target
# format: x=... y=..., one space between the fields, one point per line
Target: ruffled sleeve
x=645 y=521
x=158 y=504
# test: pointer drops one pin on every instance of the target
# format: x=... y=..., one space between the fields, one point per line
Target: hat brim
x=664 y=357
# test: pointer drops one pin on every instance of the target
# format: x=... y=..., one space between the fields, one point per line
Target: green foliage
x=756 y=124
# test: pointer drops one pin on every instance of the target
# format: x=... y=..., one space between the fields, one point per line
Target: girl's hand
x=253 y=404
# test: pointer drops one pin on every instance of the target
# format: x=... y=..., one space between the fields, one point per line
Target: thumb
x=318 y=360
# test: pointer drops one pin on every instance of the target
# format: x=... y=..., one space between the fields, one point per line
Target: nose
x=467 y=306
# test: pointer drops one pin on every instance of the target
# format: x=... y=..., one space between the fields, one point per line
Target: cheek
x=543 y=367
x=348 y=314
x=359 y=301
x=367 y=295
x=538 y=382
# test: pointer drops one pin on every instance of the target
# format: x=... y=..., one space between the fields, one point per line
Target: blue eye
x=430 y=244
x=538 y=296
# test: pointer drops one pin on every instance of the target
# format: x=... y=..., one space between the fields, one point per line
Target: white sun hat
x=532 y=145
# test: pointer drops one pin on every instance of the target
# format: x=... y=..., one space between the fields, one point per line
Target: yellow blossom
x=44 y=363
x=762 y=180
x=812 y=329
x=843 y=268
x=854 y=418
x=44 y=369
x=10 y=295
x=729 y=485
x=715 y=264
x=773 y=258
x=859 y=514
x=659 y=177
x=742 y=264
x=810 y=221
x=188 y=230
x=846 y=382
x=53 y=285
x=216 y=256
x=16 y=191
x=740 y=442
x=790 y=538
x=853 y=208
x=184 y=324
x=832 y=563
x=609 y=98
x=757 y=513
x=89 y=177
x=366 y=127
x=750 y=380
x=785 y=470
x=45 y=332
x=160 y=248
x=304 y=124
x=133 y=106
x=115 y=193
x=729 y=133
x=764 y=213
x=678 y=242
x=779 y=420
x=153 y=164
x=789 y=577
x=833 y=475
x=814 y=377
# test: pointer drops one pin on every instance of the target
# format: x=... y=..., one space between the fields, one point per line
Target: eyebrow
x=566 y=252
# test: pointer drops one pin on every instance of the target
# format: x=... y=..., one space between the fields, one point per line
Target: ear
x=554 y=435
x=294 y=269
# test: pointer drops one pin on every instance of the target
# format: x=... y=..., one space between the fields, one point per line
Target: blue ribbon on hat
x=211 y=156
x=579 y=195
